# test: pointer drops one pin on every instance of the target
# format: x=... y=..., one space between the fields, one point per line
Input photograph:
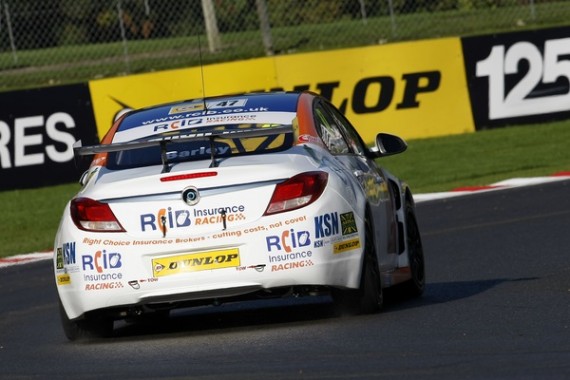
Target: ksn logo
x=523 y=99
x=34 y=138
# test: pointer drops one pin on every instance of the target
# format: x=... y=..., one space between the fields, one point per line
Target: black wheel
x=92 y=327
x=415 y=286
x=369 y=297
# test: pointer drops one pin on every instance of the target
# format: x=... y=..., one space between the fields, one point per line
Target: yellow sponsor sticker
x=63 y=279
x=346 y=245
x=194 y=262
x=186 y=107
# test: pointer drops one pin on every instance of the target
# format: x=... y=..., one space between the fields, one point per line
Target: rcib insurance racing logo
x=289 y=250
x=101 y=270
x=171 y=219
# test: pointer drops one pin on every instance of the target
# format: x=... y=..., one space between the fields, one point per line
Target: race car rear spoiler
x=162 y=141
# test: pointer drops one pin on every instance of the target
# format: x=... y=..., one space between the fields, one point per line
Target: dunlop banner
x=413 y=89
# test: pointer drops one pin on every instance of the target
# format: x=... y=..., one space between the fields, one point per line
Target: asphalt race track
x=497 y=306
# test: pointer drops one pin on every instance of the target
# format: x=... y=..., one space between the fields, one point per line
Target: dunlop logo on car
x=347 y=245
x=63 y=279
x=194 y=262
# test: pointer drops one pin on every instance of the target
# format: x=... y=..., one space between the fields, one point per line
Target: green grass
x=482 y=158
x=31 y=217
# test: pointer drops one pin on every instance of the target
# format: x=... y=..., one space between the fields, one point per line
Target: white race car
x=232 y=198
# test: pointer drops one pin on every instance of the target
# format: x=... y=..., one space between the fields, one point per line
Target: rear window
x=195 y=150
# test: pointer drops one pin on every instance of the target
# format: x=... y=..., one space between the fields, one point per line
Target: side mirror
x=387 y=145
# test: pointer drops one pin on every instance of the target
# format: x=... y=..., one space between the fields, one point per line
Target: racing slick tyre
x=415 y=286
x=369 y=297
x=93 y=327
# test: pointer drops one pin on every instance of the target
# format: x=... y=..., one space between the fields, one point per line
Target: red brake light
x=296 y=192
x=188 y=176
x=91 y=215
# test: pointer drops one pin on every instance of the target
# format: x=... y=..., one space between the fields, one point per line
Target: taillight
x=296 y=192
x=91 y=215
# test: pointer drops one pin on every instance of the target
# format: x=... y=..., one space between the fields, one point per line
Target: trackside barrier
x=414 y=89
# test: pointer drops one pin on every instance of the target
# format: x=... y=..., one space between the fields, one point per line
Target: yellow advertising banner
x=414 y=89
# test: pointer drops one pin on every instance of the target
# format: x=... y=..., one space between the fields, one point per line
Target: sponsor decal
x=218 y=214
x=189 y=240
x=348 y=224
x=177 y=124
x=199 y=105
x=288 y=240
x=201 y=151
x=292 y=265
x=194 y=262
x=165 y=219
x=187 y=120
x=153 y=242
x=65 y=258
x=186 y=107
x=326 y=225
x=63 y=279
x=101 y=261
x=89 y=241
x=331 y=226
x=68 y=253
x=101 y=266
x=290 y=256
x=347 y=245
x=59 y=259
x=104 y=286
x=231 y=119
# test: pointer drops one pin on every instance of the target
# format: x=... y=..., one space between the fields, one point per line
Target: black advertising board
x=517 y=78
x=37 y=131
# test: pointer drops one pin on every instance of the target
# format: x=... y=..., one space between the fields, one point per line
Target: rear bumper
x=117 y=271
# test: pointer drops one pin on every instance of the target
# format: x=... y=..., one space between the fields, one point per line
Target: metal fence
x=47 y=42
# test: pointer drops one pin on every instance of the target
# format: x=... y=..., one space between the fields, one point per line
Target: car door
x=346 y=145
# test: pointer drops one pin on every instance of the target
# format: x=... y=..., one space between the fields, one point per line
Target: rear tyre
x=88 y=328
x=415 y=286
x=369 y=297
